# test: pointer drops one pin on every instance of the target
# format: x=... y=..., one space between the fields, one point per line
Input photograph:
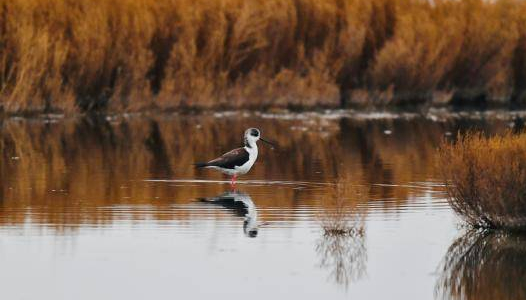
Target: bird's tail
x=201 y=165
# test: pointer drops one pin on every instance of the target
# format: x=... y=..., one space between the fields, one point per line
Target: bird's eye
x=254 y=133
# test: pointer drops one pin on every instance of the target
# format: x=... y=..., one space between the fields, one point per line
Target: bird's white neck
x=252 y=149
x=250 y=143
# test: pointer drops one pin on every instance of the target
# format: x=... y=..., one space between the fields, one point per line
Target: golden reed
x=486 y=179
x=129 y=55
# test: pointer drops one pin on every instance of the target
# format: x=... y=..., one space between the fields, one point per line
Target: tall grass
x=486 y=179
x=126 y=55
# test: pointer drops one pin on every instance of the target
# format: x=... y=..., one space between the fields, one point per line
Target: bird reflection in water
x=242 y=205
x=484 y=265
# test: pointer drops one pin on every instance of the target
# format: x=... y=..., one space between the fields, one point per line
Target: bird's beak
x=271 y=144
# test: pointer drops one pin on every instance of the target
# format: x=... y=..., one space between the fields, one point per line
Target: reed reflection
x=241 y=205
x=344 y=257
x=65 y=170
x=483 y=265
x=341 y=247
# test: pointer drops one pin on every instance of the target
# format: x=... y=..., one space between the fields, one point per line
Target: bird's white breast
x=252 y=156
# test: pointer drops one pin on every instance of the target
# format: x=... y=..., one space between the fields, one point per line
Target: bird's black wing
x=229 y=160
x=229 y=202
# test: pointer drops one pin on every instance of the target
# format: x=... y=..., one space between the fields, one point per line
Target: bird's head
x=252 y=135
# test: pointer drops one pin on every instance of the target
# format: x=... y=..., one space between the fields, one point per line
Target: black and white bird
x=240 y=160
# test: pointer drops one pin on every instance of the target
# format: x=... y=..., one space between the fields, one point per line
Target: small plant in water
x=485 y=179
x=341 y=214
x=342 y=246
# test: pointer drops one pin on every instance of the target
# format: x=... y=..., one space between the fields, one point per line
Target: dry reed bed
x=127 y=55
x=486 y=179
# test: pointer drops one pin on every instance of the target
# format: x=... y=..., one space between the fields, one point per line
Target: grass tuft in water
x=486 y=179
x=334 y=231
x=341 y=214
x=342 y=247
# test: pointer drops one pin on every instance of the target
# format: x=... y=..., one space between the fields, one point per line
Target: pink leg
x=233 y=182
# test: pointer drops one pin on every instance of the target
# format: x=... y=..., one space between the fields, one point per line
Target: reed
x=342 y=214
x=129 y=55
x=486 y=179
x=341 y=246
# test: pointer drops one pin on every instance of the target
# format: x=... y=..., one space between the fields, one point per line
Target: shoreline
x=365 y=101
x=435 y=114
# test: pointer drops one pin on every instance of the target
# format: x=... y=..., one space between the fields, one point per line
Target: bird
x=238 y=161
x=242 y=205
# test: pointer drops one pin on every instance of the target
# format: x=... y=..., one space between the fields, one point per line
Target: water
x=111 y=208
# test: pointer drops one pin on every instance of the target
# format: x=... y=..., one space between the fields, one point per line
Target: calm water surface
x=111 y=208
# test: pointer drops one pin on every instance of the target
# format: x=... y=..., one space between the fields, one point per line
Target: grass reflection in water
x=484 y=265
x=341 y=247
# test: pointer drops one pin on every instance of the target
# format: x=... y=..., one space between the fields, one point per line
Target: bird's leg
x=233 y=182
